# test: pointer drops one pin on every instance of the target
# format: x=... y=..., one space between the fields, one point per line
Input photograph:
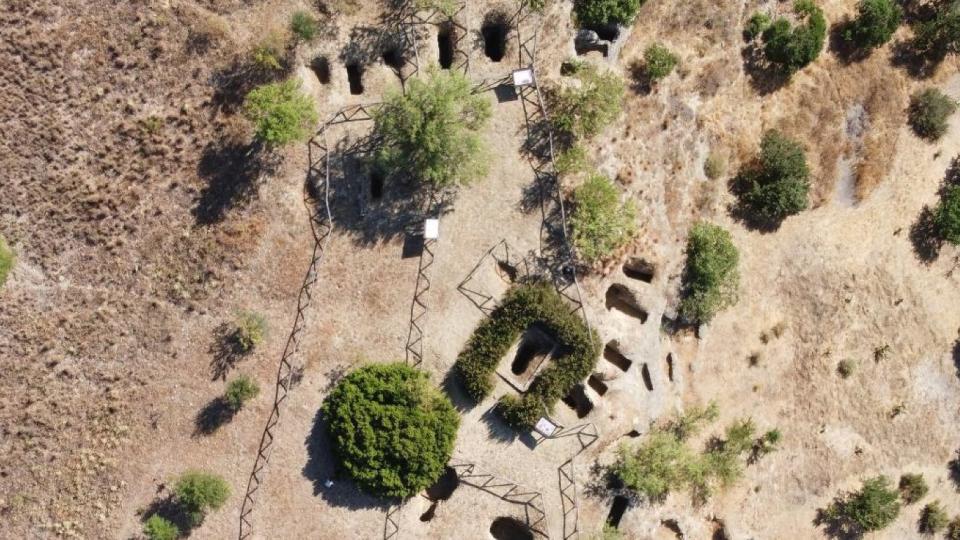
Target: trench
x=355 y=78
x=620 y=299
x=494 y=32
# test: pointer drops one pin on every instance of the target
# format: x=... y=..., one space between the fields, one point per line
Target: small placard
x=431 y=229
x=523 y=77
x=545 y=427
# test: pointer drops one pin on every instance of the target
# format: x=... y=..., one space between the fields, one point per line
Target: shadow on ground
x=926 y=239
x=232 y=171
x=212 y=416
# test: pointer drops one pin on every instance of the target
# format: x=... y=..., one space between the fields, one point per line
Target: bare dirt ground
x=139 y=230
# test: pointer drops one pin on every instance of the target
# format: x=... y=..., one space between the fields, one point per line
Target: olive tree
x=603 y=12
x=711 y=277
x=875 y=23
x=430 y=133
x=777 y=184
x=791 y=47
x=601 y=223
x=391 y=430
x=280 y=112
x=199 y=492
x=946 y=216
x=871 y=508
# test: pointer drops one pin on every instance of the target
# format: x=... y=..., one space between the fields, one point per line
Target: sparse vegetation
x=601 y=223
x=280 y=112
x=711 y=277
x=912 y=487
x=583 y=112
x=873 y=507
x=158 y=528
x=199 y=492
x=659 y=61
x=792 y=47
x=875 y=23
x=714 y=166
x=522 y=306
x=929 y=112
x=756 y=25
x=391 y=430
x=777 y=184
x=602 y=12
x=269 y=55
x=690 y=423
x=933 y=518
x=572 y=160
x=664 y=463
x=447 y=7
x=303 y=26
x=250 y=330
x=7 y=260
x=946 y=216
x=239 y=391
x=430 y=133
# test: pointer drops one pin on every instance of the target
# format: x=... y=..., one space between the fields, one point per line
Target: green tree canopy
x=603 y=12
x=430 y=133
x=391 y=430
x=946 y=216
x=659 y=61
x=158 y=528
x=929 y=113
x=601 y=223
x=792 y=47
x=777 y=185
x=941 y=34
x=711 y=277
x=199 y=492
x=280 y=112
x=239 y=391
x=871 y=508
x=875 y=24
x=585 y=110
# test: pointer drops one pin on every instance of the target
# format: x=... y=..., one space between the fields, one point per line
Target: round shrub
x=756 y=25
x=871 y=508
x=875 y=24
x=777 y=184
x=603 y=12
x=711 y=277
x=929 y=112
x=239 y=391
x=303 y=25
x=912 y=487
x=933 y=518
x=792 y=47
x=391 y=430
x=199 y=492
x=601 y=223
x=280 y=112
x=946 y=216
x=158 y=528
x=430 y=133
x=250 y=330
x=6 y=260
x=660 y=62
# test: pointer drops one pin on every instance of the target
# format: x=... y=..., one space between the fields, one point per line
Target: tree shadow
x=926 y=238
x=212 y=416
x=232 y=171
x=765 y=78
x=226 y=350
x=919 y=63
x=497 y=429
x=845 y=50
x=168 y=508
x=836 y=526
x=743 y=211
x=956 y=356
x=453 y=388
x=321 y=468
x=954 y=468
x=640 y=80
x=233 y=82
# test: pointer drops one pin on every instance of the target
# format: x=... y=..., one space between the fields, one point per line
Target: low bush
x=573 y=160
x=714 y=166
x=7 y=260
x=777 y=184
x=250 y=329
x=158 y=528
x=582 y=112
x=873 y=507
x=664 y=463
x=199 y=492
x=933 y=518
x=756 y=25
x=912 y=487
x=846 y=367
x=304 y=26
x=875 y=23
x=522 y=306
x=430 y=133
x=602 y=12
x=792 y=47
x=946 y=216
x=711 y=277
x=280 y=112
x=600 y=222
x=929 y=112
x=239 y=391
x=659 y=61
x=391 y=430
